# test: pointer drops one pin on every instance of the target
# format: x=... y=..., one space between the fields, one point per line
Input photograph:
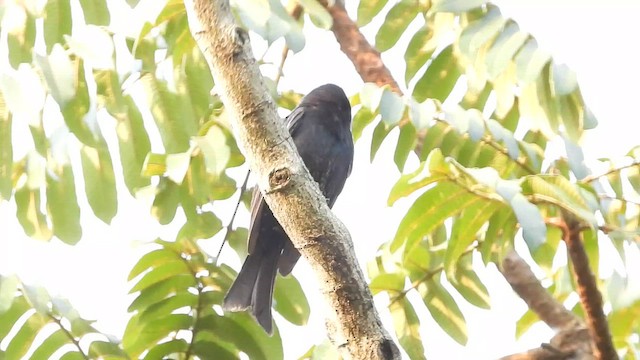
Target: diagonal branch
x=292 y=195
x=524 y=282
x=364 y=57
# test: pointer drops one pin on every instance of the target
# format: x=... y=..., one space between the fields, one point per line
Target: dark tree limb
x=364 y=57
x=524 y=282
x=590 y=296
x=296 y=201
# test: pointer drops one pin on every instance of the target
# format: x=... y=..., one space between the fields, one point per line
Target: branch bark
x=587 y=289
x=364 y=57
x=295 y=199
x=571 y=341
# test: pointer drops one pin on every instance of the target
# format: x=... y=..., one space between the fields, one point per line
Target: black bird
x=321 y=130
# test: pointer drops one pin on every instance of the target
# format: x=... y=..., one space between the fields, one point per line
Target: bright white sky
x=592 y=37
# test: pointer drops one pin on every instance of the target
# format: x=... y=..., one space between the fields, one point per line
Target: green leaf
x=559 y=191
x=456 y=6
x=135 y=342
x=159 y=291
x=164 y=350
x=498 y=238
x=62 y=205
x=175 y=122
x=571 y=112
x=361 y=119
x=245 y=333
x=419 y=51
x=75 y=110
x=106 y=350
x=200 y=226
x=504 y=48
x=51 y=344
x=395 y=24
x=57 y=22
x=525 y=322
x=8 y=289
x=430 y=171
x=59 y=73
x=469 y=285
x=99 y=180
x=318 y=13
x=534 y=230
x=464 y=230
x=406 y=143
x=167 y=306
x=530 y=61
x=290 y=300
x=95 y=12
x=21 y=41
x=379 y=134
x=31 y=218
x=392 y=283
x=367 y=10
x=430 y=210
x=439 y=79
x=161 y=273
x=6 y=153
x=444 y=310
x=370 y=96
x=152 y=260
x=407 y=326
x=391 y=107
x=166 y=201
x=479 y=32
x=206 y=348
x=215 y=149
x=134 y=145
x=21 y=341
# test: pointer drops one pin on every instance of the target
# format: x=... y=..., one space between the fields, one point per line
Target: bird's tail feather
x=240 y=294
x=253 y=288
x=263 y=292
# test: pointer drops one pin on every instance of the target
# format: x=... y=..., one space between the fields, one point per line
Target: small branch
x=295 y=13
x=69 y=335
x=567 y=344
x=524 y=282
x=587 y=289
x=591 y=178
x=364 y=57
x=243 y=188
x=609 y=197
x=353 y=323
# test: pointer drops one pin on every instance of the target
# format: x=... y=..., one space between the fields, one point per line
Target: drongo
x=320 y=127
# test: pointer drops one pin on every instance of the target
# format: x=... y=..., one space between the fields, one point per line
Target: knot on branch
x=279 y=178
x=241 y=38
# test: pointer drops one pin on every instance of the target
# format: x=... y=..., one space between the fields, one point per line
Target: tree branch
x=587 y=289
x=364 y=57
x=294 y=198
x=524 y=282
x=591 y=178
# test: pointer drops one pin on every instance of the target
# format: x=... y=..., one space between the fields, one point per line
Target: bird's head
x=328 y=95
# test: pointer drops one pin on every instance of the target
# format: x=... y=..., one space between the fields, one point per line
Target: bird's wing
x=293 y=120
x=258 y=205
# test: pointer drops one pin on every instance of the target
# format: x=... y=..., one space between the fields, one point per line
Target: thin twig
x=591 y=178
x=243 y=188
x=69 y=335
